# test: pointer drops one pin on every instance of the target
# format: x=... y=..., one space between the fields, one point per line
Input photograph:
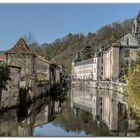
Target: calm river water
x=83 y=112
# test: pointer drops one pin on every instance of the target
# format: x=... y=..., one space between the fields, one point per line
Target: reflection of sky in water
x=51 y=130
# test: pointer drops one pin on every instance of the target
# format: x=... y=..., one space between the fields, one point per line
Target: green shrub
x=4 y=75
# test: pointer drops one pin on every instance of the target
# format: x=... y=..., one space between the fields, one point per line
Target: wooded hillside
x=63 y=50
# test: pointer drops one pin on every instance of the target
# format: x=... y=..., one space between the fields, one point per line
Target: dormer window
x=127 y=41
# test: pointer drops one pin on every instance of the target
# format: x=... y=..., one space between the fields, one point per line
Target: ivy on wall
x=4 y=75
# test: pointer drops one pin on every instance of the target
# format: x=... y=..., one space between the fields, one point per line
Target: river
x=82 y=112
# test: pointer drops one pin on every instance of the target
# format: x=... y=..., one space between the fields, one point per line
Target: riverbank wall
x=109 y=85
x=34 y=89
x=19 y=92
x=9 y=96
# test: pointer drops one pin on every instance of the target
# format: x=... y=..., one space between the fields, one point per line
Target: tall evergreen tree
x=87 y=52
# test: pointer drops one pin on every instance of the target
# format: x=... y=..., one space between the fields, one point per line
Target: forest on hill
x=64 y=50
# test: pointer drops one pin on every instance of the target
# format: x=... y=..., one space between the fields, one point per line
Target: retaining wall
x=9 y=97
x=115 y=86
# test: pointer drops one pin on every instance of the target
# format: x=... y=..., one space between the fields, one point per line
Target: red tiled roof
x=20 y=47
x=1 y=59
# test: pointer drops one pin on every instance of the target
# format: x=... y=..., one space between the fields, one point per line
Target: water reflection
x=106 y=107
x=21 y=121
x=82 y=122
x=85 y=112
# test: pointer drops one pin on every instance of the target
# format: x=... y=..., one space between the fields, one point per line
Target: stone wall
x=115 y=86
x=40 y=88
x=35 y=89
x=42 y=68
x=25 y=61
x=129 y=39
x=10 y=96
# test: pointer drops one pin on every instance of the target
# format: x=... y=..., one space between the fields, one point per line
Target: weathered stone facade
x=119 y=55
x=42 y=67
x=21 y=56
x=10 y=96
x=33 y=67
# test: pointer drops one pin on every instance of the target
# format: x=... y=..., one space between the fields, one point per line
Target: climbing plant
x=133 y=86
x=4 y=75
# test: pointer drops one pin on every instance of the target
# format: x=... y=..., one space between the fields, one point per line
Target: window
x=127 y=41
x=102 y=61
x=101 y=111
x=101 y=67
x=94 y=61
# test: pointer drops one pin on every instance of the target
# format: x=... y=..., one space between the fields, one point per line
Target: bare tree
x=29 y=38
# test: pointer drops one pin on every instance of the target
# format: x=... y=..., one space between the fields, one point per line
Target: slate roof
x=84 y=62
x=20 y=47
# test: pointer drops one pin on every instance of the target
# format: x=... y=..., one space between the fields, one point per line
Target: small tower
x=136 y=27
x=77 y=57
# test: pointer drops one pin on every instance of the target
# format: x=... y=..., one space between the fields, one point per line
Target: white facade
x=111 y=63
x=86 y=69
x=89 y=69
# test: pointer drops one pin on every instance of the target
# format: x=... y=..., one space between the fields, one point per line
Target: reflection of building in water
x=87 y=99
x=104 y=105
x=42 y=117
x=8 y=123
x=21 y=122
x=110 y=110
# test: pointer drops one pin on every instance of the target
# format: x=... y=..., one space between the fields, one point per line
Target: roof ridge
x=20 y=47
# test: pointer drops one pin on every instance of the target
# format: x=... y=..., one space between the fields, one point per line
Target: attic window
x=127 y=41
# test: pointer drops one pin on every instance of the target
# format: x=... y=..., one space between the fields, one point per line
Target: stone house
x=21 y=56
x=120 y=54
x=33 y=67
